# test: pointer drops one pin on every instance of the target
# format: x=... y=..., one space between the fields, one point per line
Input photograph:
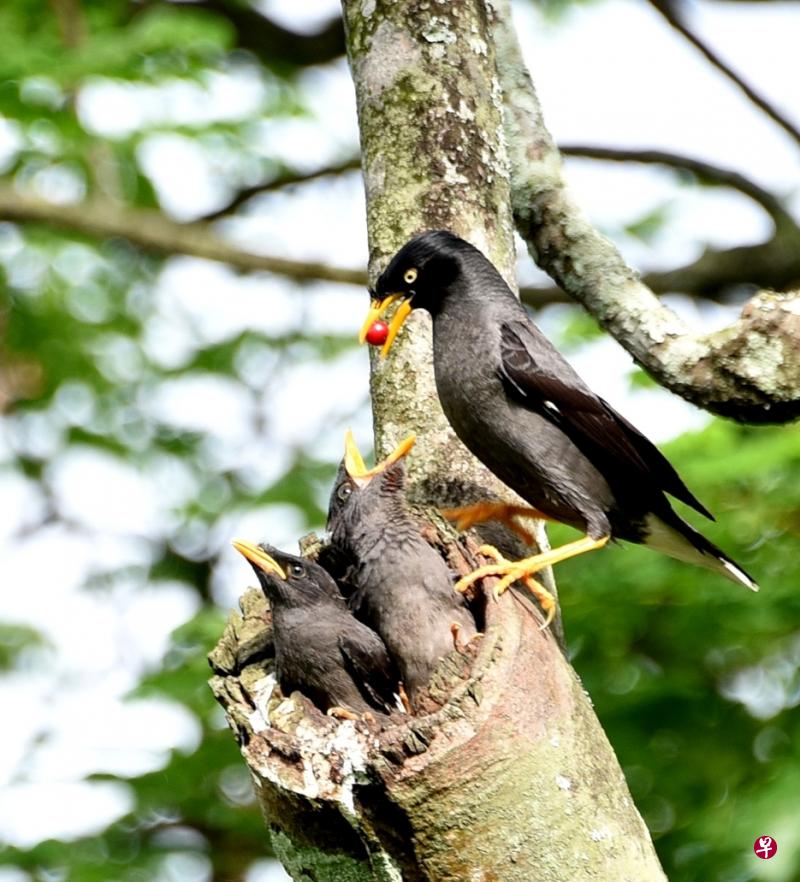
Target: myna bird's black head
x=287 y=579
x=363 y=499
x=418 y=276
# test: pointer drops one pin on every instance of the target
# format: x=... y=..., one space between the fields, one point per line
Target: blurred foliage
x=557 y=10
x=14 y=641
x=88 y=343
x=575 y=328
x=640 y=379
x=647 y=228
x=694 y=679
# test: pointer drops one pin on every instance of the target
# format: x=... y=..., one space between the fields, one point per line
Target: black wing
x=548 y=386
x=368 y=663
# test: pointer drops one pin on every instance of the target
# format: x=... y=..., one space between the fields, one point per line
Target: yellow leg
x=404 y=699
x=455 y=630
x=512 y=571
x=480 y=512
x=342 y=713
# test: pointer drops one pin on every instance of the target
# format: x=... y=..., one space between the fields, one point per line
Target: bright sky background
x=609 y=74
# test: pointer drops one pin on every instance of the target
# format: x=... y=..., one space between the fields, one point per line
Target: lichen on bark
x=434 y=156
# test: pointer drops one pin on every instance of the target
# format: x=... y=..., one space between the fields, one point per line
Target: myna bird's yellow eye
x=410 y=276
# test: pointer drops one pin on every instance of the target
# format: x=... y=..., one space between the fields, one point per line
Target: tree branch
x=773 y=264
x=669 y=10
x=507 y=769
x=703 y=171
x=276 y=46
x=288 y=178
x=152 y=231
x=765 y=265
x=749 y=371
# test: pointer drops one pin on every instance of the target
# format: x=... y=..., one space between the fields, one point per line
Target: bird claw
x=499 y=567
x=518 y=573
x=342 y=713
x=465 y=582
x=523 y=570
x=457 y=517
x=455 y=630
x=493 y=553
x=404 y=699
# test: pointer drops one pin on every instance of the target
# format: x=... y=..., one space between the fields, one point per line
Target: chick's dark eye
x=344 y=490
x=296 y=570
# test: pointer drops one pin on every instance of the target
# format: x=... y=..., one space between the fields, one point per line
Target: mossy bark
x=506 y=774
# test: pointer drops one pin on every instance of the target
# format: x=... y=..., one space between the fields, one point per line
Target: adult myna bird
x=321 y=649
x=403 y=587
x=522 y=410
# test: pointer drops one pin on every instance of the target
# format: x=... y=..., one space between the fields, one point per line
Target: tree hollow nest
x=354 y=785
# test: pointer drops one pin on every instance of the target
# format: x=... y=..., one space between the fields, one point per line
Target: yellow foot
x=342 y=713
x=404 y=699
x=546 y=600
x=513 y=571
x=480 y=512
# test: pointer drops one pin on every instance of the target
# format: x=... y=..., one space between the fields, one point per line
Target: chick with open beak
x=403 y=588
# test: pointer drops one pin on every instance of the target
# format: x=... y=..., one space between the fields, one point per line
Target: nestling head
x=364 y=499
x=286 y=579
x=419 y=276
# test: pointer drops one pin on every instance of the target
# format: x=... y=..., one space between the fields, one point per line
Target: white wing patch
x=661 y=537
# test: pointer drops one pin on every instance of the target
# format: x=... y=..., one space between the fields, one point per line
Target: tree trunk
x=509 y=776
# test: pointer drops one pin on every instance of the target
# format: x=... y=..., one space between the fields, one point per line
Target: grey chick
x=321 y=649
x=403 y=587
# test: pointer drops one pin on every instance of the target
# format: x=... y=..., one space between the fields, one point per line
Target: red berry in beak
x=377 y=333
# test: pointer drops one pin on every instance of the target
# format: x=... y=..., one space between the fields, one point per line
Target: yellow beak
x=260 y=558
x=354 y=462
x=377 y=309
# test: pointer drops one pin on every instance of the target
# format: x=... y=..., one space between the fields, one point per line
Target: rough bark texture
x=749 y=371
x=433 y=155
x=506 y=773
